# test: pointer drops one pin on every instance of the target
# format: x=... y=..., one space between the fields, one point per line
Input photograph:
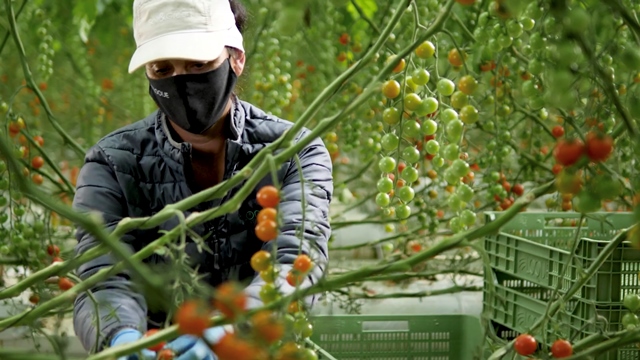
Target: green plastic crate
x=398 y=337
x=517 y=304
x=536 y=247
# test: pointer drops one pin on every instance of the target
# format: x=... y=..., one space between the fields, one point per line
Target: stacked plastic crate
x=531 y=257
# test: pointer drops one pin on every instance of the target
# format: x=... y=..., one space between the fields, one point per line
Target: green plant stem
x=32 y=84
x=417 y=275
x=357 y=175
x=6 y=36
x=535 y=118
x=609 y=88
x=417 y=294
x=365 y=17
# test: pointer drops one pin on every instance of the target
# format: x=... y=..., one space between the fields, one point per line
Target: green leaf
x=369 y=8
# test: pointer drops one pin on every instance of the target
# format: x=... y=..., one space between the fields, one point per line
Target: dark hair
x=240 y=13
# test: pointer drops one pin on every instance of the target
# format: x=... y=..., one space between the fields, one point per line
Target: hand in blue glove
x=188 y=347
x=126 y=336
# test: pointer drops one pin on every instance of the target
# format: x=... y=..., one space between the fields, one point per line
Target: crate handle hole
x=386 y=326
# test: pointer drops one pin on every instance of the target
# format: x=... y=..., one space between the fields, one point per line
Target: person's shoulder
x=130 y=136
x=129 y=139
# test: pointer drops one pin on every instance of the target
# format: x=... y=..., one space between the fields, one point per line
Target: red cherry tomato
x=561 y=349
x=525 y=345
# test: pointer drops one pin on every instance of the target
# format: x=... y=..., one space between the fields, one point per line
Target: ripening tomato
x=261 y=260
x=561 y=349
x=268 y=196
x=39 y=140
x=568 y=152
x=294 y=279
x=415 y=246
x=267 y=326
x=391 y=89
x=165 y=354
x=302 y=264
x=64 y=283
x=37 y=179
x=267 y=214
x=344 y=39
x=598 y=146
x=467 y=84
x=557 y=131
x=267 y=230
x=456 y=58
x=192 y=317
x=157 y=346
x=525 y=345
x=230 y=300
x=34 y=299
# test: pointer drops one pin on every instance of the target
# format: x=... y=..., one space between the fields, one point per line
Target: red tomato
x=53 y=250
x=518 y=189
x=557 y=131
x=192 y=317
x=65 y=284
x=561 y=349
x=155 y=347
x=568 y=152
x=599 y=147
x=525 y=345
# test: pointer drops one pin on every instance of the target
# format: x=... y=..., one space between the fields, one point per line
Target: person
x=201 y=134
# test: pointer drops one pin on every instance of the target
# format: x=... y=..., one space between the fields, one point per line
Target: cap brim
x=197 y=46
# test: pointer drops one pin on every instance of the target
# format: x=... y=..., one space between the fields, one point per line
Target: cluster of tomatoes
x=527 y=345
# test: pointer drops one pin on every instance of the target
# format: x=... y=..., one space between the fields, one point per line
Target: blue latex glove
x=126 y=336
x=188 y=347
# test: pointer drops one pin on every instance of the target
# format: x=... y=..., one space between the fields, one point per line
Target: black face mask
x=194 y=102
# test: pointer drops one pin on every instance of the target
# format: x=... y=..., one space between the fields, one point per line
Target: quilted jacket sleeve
x=311 y=235
x=117 y=304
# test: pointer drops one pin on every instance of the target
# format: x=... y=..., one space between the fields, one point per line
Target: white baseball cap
x=182 y=29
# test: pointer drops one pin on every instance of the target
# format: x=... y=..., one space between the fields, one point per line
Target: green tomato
x=459 y=99
x=432 y=147
x=4 y=184
x=489 y=126
x=459 y=167
x=504 y=136
x=3 y=166
x=387 y=164
x=465 y=192
x=411 y=128
x=387 y=247
x=411 y=154
x=3 y=201
x=632 y=302
x=469 y=114
x=535 y=67
x=450 y=177
x=383 y=199
x=454 y=130
x=529 y=88
x=391 y=116
x=586 y=202
x=19 y=210
x=429 y=127
x=451 y=152
x=403 y=211
x=385 y=184
x=448 y=115
x=421 y=77
x=467 y=217
x=4 y=217
x=455 y=224
x=429 y=106
x=437 y=161
x=537 y=42
x=455 y=203
x=410 y=174
x=528 y=23
x=514 y=29
x=630 y=321
x=412 y=101
x=406 y=193
x=390 y=141
x=445 y=87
